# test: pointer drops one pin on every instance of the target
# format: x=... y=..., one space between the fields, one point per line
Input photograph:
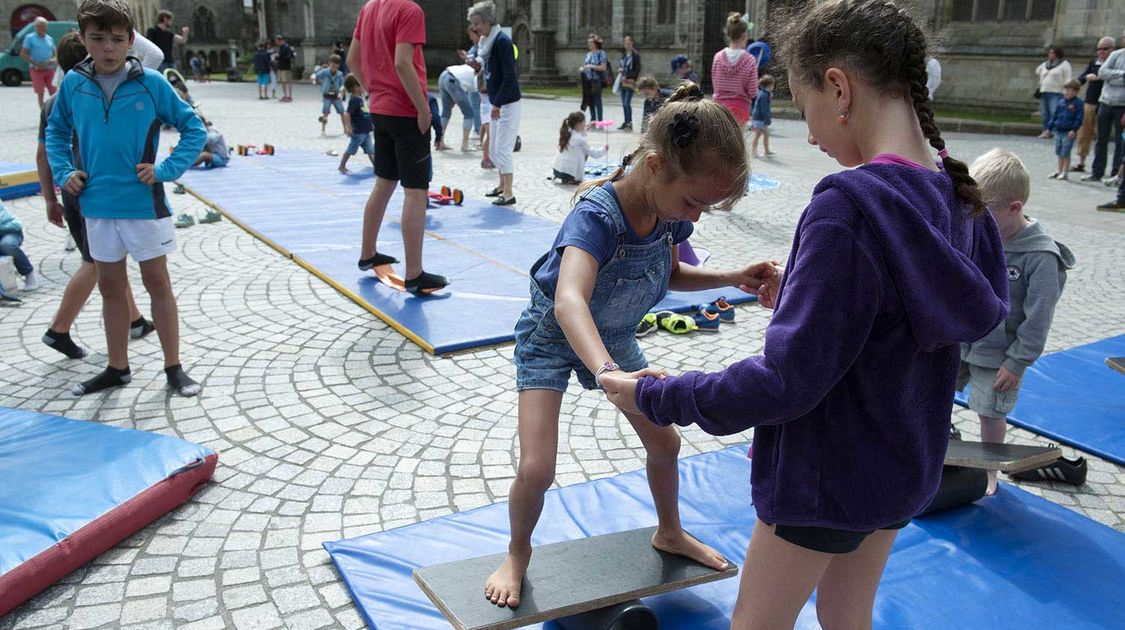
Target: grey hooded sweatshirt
x=1037 y=267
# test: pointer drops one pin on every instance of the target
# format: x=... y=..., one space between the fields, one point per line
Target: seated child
x=574 y=149
x=357 y=124
x=654 y=98
x=331 y=82
x=762 y=116
x=681 y=70
x=11 y=237
x=215 y=152
x=993 y=366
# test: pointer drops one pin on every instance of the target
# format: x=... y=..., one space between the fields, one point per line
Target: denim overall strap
x=633 y=280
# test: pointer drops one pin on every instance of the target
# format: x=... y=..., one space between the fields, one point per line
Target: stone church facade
x=988 y=48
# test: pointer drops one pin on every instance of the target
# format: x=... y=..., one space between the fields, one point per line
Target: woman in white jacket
x=574 y=149
x=1053 y=73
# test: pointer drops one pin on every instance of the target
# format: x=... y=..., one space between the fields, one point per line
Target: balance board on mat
x=1011 y=561
x=18 y=180
x=1075 y=397
x=70 y=490
x=298 y=203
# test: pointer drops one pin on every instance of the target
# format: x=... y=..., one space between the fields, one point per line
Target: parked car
x=13 y=69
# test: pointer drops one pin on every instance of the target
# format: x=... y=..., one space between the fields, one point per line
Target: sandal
x=676 y=324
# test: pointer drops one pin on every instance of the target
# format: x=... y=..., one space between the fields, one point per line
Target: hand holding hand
x=146 y=173
x=76 y=183
x=55 y=213
x=1006 y=380
x=621 y=387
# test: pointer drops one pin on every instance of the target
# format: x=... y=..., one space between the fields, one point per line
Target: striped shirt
x=736 y=81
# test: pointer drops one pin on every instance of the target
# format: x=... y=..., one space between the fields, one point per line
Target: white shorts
x=110 y=240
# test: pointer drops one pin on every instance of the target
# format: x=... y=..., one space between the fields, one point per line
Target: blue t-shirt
x=331 y=83
x=39 y=48
x=361 y=118
x=590 y=228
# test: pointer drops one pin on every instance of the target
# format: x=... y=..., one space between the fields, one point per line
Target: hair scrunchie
x=684 y=129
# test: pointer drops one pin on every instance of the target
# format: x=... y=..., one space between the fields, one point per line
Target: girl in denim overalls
x=614 y=258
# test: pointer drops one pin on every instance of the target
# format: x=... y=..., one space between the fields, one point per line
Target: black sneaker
x=954 y=433
x=1113 y=206
x=1081 y=168
x=1062 y=469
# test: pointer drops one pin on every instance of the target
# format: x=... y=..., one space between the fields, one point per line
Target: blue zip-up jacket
x=502 y=79
x=115 y=134
x=1068 y=116
x=762 y=110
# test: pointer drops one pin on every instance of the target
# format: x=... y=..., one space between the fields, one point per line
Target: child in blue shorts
x=262 y=70
x=331 y=82
x=357 y=124
x=1065 y=124
x=613 y=260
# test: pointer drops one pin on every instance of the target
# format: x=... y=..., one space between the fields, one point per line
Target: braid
x=914 y=66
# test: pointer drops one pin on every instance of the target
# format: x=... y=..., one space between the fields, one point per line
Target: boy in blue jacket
x=1065 y=124
x=115 y=108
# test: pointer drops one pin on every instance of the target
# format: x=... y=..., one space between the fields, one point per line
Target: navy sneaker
x=1071 y=471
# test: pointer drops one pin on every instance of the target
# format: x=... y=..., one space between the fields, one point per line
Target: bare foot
x=991 y=489
x=681 y=544
x=503 y=586
x=755 y=154
x=344 y=170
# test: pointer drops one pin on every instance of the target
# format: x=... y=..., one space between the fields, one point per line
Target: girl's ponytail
x=568 y=124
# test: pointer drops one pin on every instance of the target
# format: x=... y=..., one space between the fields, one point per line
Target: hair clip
x=683 y=129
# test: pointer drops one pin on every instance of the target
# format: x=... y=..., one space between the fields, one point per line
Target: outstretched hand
x=621 y=387
x=761 y=279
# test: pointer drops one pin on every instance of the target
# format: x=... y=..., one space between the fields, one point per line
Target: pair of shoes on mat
x=720 y=307
x=672 y=322
x=1069 y=471
x=179 y=189
x=185 y=220
x=211 y=216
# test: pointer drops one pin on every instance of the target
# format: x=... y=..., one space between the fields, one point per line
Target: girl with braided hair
x=614 y=258
x=893 y=264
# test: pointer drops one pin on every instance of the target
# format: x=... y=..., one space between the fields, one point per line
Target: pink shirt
x=734 y=83
x=383 y=24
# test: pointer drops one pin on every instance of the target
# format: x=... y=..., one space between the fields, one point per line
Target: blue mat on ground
x=299 y=203
x=759 y=182
x=1012 y=561
x=1075 y=398
x=18 y=180
x=70 y=489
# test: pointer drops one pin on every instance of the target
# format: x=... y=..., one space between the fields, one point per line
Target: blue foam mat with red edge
x=300 y=202
x=1012 y=560
x=1073 y=397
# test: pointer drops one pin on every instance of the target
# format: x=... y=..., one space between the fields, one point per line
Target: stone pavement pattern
x=330 y=424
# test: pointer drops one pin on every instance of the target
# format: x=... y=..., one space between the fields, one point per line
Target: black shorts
x=826 y=539
x=77 y=225
x=401 y=153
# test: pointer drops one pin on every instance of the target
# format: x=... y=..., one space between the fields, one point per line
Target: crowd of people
x=858 y=297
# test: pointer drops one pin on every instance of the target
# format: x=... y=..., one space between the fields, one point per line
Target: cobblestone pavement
x=330 y=424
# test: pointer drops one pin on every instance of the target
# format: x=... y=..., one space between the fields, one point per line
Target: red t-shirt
x=381 y=25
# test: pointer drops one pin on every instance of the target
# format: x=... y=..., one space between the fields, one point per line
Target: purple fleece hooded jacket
x=851 y=396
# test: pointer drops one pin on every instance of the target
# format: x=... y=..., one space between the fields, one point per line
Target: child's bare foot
x=681 y=544
x=503 y=586
x=344 y=170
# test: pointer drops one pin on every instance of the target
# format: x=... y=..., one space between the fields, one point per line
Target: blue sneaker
x=723 y=308
x=706 y=320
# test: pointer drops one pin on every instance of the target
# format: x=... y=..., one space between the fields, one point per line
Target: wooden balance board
x=1009 y=458
x=566 y=578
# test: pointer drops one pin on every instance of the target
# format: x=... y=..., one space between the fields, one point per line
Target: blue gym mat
x=18 y=180
x=1013 y=560
x=298 y=202
x=1075 y=398
x=70 y=489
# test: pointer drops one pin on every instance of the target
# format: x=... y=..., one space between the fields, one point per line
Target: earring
x=842 y=119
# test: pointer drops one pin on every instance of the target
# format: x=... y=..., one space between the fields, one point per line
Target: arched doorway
x=521 y=37
x=26 y=14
